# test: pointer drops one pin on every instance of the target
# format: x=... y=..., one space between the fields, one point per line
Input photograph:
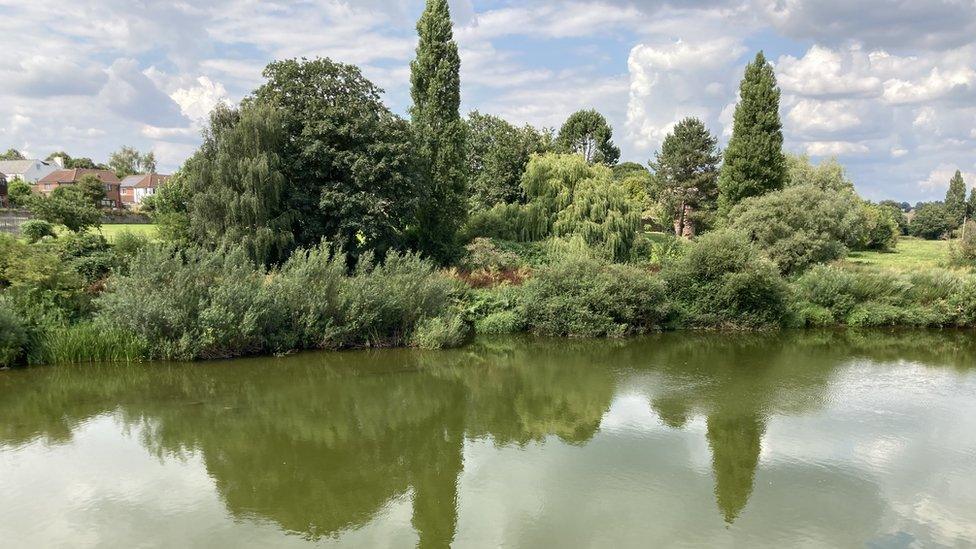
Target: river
x=784 y=439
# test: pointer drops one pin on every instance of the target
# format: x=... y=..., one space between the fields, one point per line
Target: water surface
x=816 y=439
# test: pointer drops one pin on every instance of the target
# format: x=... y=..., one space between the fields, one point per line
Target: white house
x=137 y=187
x=29 y=170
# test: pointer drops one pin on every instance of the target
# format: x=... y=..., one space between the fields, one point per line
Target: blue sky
x=887 y=86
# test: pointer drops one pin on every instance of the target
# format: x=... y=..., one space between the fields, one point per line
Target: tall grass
x=88 y=343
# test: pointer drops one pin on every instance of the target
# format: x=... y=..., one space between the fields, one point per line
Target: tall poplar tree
x=754 y=159
x=436 y=91
x=955 y=200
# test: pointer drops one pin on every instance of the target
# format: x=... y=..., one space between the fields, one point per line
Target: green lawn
x=144 y=229
x=909 y=254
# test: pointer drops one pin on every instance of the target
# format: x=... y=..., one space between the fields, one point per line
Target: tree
x=971 y=204
x=81 y=163
x=19 y=193
x=687 y=168
x=93 y=188
x=587 y=133
x=931 y=221
x=68 y=206
x=827 y=175
x=754 y=160
x=800 y=226
x=955 y=201
x=129 y=161
x=897 y=213
x=436 y=92
x=12 y=154
x=238 y=188
x=497 y=154
x=350 y=160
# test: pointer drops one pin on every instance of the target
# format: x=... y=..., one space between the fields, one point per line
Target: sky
x=886 y=86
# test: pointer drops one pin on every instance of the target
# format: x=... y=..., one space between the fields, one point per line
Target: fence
x=11 y=220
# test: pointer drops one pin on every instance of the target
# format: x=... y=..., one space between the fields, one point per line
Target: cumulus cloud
x=197 y=101
x=43 y=76
x=131 y=94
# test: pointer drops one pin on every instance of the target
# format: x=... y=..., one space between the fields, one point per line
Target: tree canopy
x=754 y=160
x=436 y=92
x=687 y=170
x=588 y=134
x=129 y=161
x=497 y=154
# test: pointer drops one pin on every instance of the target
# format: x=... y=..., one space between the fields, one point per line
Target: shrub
x=500 y=322
x=312 y=303
x=873 y=314
x=962 y=303
x=878 y=228
x=36 y=229
x=962 y=251
x=584 y=297
x=722 y=279
x=482 y=253
x=189 y=303
x=800 y=226
x=13 y=336
x=88 y=254
x=441 y=332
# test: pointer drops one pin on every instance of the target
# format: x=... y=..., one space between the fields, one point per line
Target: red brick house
x=137 y=187
x=58 y=178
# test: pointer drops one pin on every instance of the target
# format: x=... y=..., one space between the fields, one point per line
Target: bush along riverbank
x=179 y=303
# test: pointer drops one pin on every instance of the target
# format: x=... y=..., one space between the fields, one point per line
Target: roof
x=75 y=175
x=144 y=181
x=15 y=166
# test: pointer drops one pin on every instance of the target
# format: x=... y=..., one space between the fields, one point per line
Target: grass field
x=911 y=253
x=143 y=229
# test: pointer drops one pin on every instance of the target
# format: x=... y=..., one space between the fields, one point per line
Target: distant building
x=60 y=178
x=29 y=170
x=135 y=188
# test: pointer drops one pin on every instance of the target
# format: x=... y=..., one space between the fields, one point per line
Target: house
x=4 y=200
x=137 y=187
x=29 y=170
x=59 y=178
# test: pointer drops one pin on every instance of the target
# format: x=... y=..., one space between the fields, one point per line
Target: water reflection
x=321 y=443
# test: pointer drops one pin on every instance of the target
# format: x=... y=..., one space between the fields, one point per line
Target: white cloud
x=823 y=72
x=938 y=178
x=196 y=102
x=834 y=148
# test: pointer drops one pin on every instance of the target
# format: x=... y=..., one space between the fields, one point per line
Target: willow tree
x=238 y=191
x=754 y=160
x=436 y=92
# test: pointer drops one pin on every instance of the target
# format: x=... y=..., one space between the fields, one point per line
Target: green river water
x=793 y=439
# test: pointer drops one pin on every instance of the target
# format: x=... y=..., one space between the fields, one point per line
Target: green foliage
x=80 y=163
x=828 y=175
x=897 y=213
x=435 y=87
x=500 y=323
x=188 y=303
x=442 y=332
x=129 y=161
x=879 y=228
x=754 y=160
x=872 y=297
x=239 y=193
x=931 y=221
x=722 y=279
x=19 y=193
x=68 y=206
x=12 y=154
x=93 y=189
x=483 y=253
x=566 y=197
x=497 y=153
x=962 y=251
x=603 y=215
x=349 y=161
x=799 y=226
x=588 y=134
x=40 y=285
x=580 y=296
x=88 y=342
x=13 y=336
x=88 y=254
x=170 y=207
x=955 y=201
x=687 y=170
x=36 y=229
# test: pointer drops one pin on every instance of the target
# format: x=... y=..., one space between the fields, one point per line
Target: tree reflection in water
x=320 y=443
